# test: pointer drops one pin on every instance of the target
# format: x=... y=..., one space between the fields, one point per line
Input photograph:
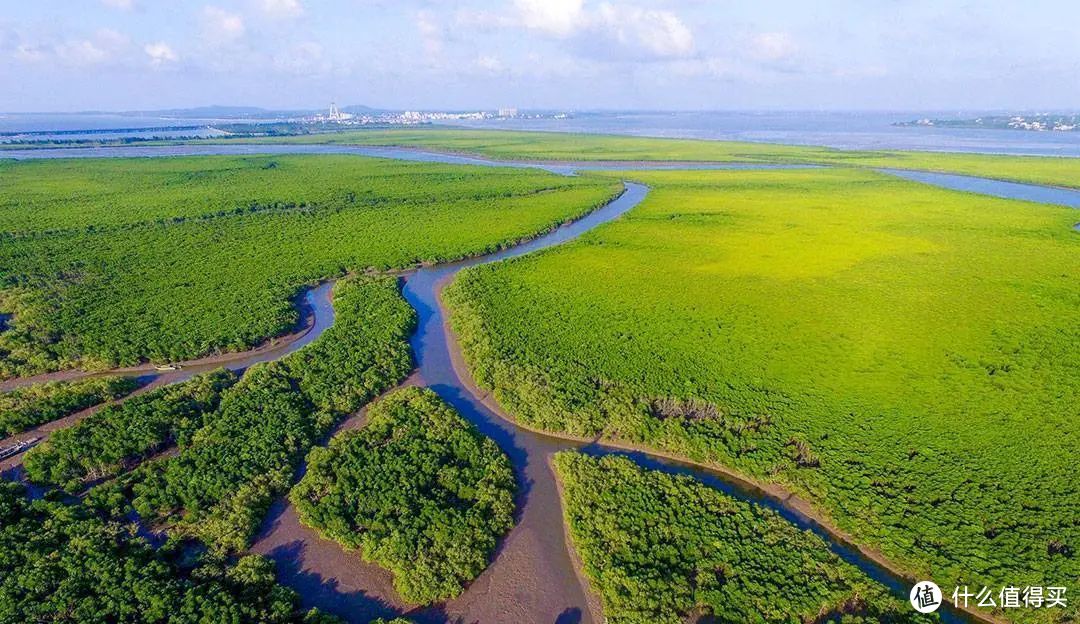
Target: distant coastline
x=1041 y=122
x=933 y=131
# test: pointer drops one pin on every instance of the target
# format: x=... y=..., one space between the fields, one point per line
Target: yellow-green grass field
x=905 y=357
x=107 y=262
x=507 y=145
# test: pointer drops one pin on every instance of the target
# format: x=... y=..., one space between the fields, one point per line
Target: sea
x=844 y=130
x=104 y=126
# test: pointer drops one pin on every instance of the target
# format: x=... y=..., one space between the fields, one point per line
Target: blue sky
x=563 y=54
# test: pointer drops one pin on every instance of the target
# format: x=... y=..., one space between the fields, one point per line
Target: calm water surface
x=845 y=130
x=842 y=130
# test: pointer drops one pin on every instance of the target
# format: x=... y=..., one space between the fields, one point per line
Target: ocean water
x=79 y=126
x=845 y=130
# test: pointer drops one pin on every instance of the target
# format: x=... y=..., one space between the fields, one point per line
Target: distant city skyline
x=60 y=55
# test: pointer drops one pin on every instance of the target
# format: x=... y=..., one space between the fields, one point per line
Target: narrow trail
x=533 y=577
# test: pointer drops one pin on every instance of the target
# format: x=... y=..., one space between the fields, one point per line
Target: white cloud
x=281 y=8
x=104 y=46
x=221 y=26
x=123 y=5
x=654 y=32
x=160 y=53
x=609 y=29
x=558 y=17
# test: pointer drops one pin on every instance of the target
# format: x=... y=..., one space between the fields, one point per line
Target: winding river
x=532 y=578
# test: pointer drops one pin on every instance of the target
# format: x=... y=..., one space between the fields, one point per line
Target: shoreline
x=783 y=497
x=584 y=165
x=594 y=603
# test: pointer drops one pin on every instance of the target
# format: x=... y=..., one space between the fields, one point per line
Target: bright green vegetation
x=511 y=145
x=113 y=262
x=901 y=355
x=60 y=563
x=28 y=407
x=658 y=548
x=1054 y=171
x=118 y=436
x=418 y=491
x=559 y=146
x=219 y=485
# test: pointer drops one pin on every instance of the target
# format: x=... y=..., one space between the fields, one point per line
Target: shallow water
x=973 y=184
x=842 y=129
x=555 y=589
x=393 y=153
x=996 y=188
x=865 y=130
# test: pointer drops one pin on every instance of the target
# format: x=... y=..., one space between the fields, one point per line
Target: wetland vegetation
x=63 y=563
x=875 y=345
x=219 y=484
x=418 y=490
x=30 y=406
x=119 y=436
x=903 y=357
x=659 y=548
x=114 y=262
x=508 y=145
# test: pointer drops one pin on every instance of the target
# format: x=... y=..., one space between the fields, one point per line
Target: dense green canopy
x=903 y=356
x=107 y=262
x=418 y=490
x=28 y=407
x=219 y=485
x=60 y=563
x=112 y=439
x=658 y=548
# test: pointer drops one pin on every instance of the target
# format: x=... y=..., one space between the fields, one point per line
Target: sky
x=69 y=55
